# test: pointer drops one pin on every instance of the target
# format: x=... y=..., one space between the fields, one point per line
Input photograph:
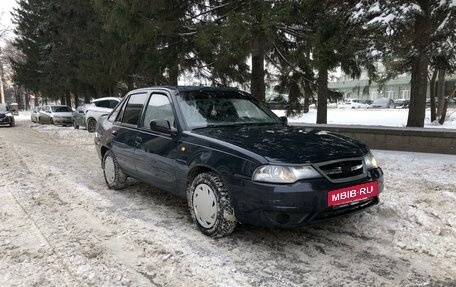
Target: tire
x=75 y=125
x=12 y=124
x=51 y=121
x=114 y=176
x=210 y=205
x=91 y=125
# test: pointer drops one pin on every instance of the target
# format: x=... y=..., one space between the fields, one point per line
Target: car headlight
x=370 y=161
x=9 y=114
x=284 y=174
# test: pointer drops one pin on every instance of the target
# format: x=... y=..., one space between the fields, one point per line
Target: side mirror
x=162 y=126
x=284 y=120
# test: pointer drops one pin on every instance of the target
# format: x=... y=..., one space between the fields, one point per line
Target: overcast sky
x=6 y=6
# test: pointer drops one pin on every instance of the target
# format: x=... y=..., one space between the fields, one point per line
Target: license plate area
x=352 y=194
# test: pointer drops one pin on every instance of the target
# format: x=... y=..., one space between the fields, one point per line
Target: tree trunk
x=27 y=101
x=440 y=92
x=418 y=91
x=294 y=95
x=307 y=95
x=322 y=100
x=174 y=74
x=130 y=83
x=445 y=106
x=420 y=63
x=87 y=96
x=76 y=97
x=36 y=99
x=62 y=99
x=432 y=90
x=68 y=98
x=257 y=86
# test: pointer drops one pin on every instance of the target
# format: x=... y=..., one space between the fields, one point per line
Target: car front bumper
x=63 y=121
x=295 y=205
x=7 y=120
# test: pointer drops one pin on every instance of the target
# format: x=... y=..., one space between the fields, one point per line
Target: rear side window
x=113 y=104
x=102 y=104
x=133 y=109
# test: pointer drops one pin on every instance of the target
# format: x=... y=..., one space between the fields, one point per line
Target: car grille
x=342 y=170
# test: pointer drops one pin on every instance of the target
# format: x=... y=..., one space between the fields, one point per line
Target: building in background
x=397 y=88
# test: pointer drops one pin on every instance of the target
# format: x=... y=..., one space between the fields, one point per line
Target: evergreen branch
x=209 y=11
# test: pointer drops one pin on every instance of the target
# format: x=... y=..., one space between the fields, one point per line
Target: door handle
x=138 y=141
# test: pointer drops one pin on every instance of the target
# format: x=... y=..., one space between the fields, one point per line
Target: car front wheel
x=210 y=205
x=75 y=125
x=91 y=125
x=114 y=176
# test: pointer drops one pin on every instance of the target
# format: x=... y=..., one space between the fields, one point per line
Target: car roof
x=106 y=98
x=186 y=88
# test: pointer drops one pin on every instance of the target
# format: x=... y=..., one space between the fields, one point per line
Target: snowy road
x=61 y=226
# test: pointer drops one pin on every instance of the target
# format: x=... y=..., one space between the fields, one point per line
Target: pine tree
x=414 y=32
x=336 y=36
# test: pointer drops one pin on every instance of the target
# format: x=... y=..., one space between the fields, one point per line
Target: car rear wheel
x=91 y=125
x=114 y=176
x=210 y=205
x=75 y=125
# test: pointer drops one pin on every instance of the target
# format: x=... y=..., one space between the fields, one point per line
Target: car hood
x=287 y=144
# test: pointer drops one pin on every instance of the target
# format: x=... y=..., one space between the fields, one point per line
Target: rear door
x=156 y=151
x=125 y=132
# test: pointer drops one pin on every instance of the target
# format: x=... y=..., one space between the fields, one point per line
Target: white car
x=98 y=108
x=353 y=104
x=382 y=103
x=55 y=115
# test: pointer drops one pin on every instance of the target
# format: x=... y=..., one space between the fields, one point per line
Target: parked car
x=401 y=104
x=98 y=108
x=233 y=159
x=6 y=116
x=277 y=102
x=56 y=115
x=382 y=103
x=353 y=104
x=79 y=116
x=14 y=108
x=35 y=111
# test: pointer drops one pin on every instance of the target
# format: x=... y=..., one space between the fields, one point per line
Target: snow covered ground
x=372 y=117
x=61 y=226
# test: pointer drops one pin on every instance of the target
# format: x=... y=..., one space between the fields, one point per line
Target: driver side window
x=158 y=108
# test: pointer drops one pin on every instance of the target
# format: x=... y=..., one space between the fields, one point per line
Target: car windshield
x=3 y=108
x=222 y=108
x=63 y=109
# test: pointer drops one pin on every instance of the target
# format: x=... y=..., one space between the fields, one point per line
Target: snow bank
x=370 y=117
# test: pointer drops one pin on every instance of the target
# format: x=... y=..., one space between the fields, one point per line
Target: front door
x=156 y=151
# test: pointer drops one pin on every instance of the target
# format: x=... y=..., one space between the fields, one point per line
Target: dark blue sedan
x=234 y=160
